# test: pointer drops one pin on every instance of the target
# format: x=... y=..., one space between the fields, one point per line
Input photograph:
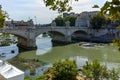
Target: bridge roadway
x=27 y=36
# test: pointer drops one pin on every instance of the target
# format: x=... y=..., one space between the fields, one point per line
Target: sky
x=36 y=10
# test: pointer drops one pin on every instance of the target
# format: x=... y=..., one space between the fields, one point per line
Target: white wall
x=6 y=51
x=19 y=77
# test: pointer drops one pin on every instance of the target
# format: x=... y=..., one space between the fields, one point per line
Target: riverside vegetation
x=5 y=40
x=67 y=70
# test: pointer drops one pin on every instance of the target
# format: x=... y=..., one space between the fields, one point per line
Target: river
x=105 y=53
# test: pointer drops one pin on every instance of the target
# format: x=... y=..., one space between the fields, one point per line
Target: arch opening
x=43 y=43
x=80 y=36
x=57 y=36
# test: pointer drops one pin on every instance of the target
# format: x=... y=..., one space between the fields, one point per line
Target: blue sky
x=28 y=9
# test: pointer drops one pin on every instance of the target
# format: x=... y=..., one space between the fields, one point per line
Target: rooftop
x=8 y=71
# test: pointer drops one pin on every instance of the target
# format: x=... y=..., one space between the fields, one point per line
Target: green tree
x=114 y=74
x=3 y=15
x=71 y=19
x=59 y=5
x=112 y=9
x=62 y=70
x=95 y=71
x=97 y=21
x=59 y=21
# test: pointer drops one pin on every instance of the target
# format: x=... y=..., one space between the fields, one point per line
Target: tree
x=112 y=9
x=62 y=70
x=71 y=19
x=97 y=21
x=59 y=5
x=95 y=71
x=3 y=15
x=114 y=74
x=59 y=21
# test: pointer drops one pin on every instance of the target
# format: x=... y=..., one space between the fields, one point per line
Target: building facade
x=83 y=19
x=20 y=24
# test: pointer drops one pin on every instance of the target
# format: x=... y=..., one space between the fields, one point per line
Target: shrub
x=62 y=70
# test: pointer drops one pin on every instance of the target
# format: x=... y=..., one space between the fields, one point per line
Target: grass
x=24 y=64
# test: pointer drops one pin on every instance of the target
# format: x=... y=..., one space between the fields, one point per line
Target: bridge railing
x=11 y=27
x=49 y=27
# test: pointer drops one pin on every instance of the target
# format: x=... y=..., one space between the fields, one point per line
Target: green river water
x=105 y=53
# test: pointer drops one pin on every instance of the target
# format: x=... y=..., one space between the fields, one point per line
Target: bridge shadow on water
x=56 y=43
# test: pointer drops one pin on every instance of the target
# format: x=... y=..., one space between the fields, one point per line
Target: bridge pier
x=26 y=43
x=68 y=38
x=31 y=43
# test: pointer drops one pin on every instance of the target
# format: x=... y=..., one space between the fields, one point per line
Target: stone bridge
x=27 y=36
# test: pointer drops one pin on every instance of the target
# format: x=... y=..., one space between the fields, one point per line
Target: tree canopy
x=97 y=21
x=62 y=70
x=59 y=5
x=95 y=71
x=3 y=15
x=60 y=21
x=112 y=9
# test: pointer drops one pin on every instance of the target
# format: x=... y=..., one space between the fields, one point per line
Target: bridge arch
x=80 y=35
x=21 y=40
x=55 y=35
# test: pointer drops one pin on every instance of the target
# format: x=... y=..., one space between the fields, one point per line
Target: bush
x=96 y=71
x=62 y=70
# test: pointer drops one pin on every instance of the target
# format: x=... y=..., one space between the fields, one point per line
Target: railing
x=62 y=27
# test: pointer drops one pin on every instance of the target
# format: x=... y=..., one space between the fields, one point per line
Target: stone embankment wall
x=8 y=52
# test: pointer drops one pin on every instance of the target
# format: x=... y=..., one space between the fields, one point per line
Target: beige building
x=83 y=19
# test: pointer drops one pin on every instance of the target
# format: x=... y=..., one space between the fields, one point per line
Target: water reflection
x=44 y=44
x=80 y=61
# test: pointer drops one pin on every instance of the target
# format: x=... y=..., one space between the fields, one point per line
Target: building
x=19 y=24
x=9 y=72
x=69 y=14
x=83 y=19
